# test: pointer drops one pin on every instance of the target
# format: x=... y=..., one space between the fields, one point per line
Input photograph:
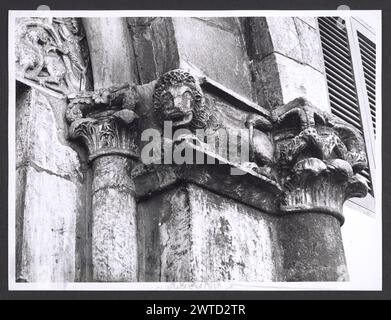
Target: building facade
x=189 y=149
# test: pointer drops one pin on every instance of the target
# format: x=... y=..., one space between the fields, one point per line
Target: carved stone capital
x=105 y=121
x=319 y=158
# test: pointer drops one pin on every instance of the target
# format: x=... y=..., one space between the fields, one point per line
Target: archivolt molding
x=52 y=54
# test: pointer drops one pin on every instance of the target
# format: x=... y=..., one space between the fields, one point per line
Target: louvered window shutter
x=341 y=78
x=368 y=58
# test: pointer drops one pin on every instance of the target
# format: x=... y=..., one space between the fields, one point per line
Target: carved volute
x=105 y=121
x=319 y=158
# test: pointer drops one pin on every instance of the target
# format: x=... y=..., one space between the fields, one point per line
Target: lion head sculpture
x=179 y=98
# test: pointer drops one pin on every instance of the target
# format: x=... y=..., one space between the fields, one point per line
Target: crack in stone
x=39 y=169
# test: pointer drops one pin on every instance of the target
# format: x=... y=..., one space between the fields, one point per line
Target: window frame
x=353 y=25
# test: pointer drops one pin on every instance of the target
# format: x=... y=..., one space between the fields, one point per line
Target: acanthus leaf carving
x=319 y=158
x=105 y=120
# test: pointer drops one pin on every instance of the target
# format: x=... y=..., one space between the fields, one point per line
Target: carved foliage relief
x=319 y=158
x=52 y=53
x=105 y=120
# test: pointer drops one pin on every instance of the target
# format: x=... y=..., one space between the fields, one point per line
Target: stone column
x=111 y=51
x=104 y=121
x=318 y=158
x=114 y=245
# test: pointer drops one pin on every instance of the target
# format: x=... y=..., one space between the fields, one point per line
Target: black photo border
x=385 y=6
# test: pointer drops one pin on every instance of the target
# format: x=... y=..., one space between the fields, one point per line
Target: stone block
x=233 y=122
x=310 y=45
x=40 y=140
x=47 y=230
x=258 y=41
x=311 y=21
x=268 y=82
x=284 y=37
x=191 y=234
x=144 y=52
x=230 y=241
x=226 y=23
x=219 y=54
x=298 y=80
x=166 y=56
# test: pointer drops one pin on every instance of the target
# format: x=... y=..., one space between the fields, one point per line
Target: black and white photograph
x=195 y=150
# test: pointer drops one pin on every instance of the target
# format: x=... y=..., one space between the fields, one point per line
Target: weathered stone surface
x=300 y=80
x=270 y=91
x=258 y=40
x=253 y=188
x=226 y=23
x=111 y=56
x=112 y=172
x=155 y=46
x=284 y=37
x=312 y=248
x=230 y=241
x=114 y=244
x=190 y=234
x=221 y=56
x=311 y=21
x=144 y=52
x=20 y=183
x=165 y=45
x=40 y=140
x=291 y=37
x=50 y=207
x=48 y=169
x=282 y=51
x=310 y=45
x=114 y=240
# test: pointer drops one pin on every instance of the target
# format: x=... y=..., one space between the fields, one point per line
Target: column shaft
x=114 y=242
x=312 y=248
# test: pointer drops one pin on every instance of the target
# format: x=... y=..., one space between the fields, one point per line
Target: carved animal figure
x=68 y=30
x=48 y=51
x=179 y=98
x=37 y=59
